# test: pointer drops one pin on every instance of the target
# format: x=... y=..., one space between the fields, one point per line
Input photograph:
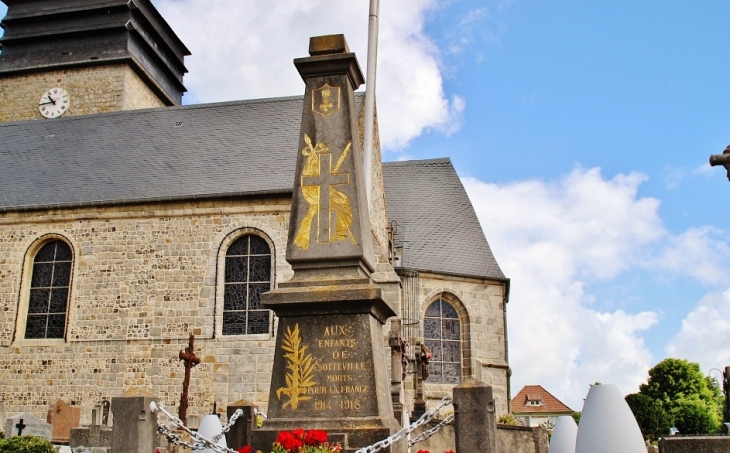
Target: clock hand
x=51 y=102
x=51 y=99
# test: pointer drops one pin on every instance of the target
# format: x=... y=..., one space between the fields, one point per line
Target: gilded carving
x=300 y=366
x=326 y=100
x=318 y=181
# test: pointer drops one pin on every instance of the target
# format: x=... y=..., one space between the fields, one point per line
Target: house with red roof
x=534 y=405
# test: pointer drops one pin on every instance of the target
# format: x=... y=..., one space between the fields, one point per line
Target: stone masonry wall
x=146 y=276
x=143 y=279
x=480 y=306
x=91 y=90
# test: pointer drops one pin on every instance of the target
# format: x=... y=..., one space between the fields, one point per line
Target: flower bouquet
x=299 y=441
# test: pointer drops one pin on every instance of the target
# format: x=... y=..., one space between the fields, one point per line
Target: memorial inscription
x=326 y=369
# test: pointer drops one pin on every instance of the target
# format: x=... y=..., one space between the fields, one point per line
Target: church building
x=129 y=221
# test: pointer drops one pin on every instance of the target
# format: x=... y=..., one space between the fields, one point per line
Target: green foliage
x=26 y=444
x=576 y=416
x=548 y=425
x=508 y=419
x=673 y=379
x=694 y=416
x=677 y=394
x=653 y=420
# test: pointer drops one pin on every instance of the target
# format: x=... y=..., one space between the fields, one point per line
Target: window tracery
x=247 y=276
x=49 y=291
x=442 y=335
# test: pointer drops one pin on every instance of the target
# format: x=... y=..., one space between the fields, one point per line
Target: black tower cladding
x=45 y=35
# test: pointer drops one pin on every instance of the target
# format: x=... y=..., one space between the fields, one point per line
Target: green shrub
x=508 y=419
x=26 y=444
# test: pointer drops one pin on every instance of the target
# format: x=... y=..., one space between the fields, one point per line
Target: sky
x=581 y=131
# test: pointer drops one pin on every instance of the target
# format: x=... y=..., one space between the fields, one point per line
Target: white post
x=370 y=97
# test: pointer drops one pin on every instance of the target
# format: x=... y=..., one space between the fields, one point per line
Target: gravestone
x=240 y=433
x=135 y=426
x=62 y=416
x=27 y=425
x=94 y=436
x=330 y=371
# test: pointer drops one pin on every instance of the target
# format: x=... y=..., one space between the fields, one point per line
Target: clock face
x=54 y=103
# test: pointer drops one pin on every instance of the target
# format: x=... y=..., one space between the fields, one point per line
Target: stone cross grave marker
x=62 y=416
x=94 y=436
x=27 y=425
x=330 y=369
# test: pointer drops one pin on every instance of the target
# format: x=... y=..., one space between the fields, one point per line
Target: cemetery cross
x=21 y=426
x=190 y=359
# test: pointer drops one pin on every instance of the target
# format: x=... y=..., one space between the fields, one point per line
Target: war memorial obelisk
x=330 y=367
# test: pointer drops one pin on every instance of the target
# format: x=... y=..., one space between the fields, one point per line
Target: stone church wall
x=480 y=305
x=145 y=277
x=91 y=90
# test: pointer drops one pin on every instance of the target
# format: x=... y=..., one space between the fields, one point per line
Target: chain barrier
x=199 y=442
x=230 y=423
x=425 y=418
x=426 y=434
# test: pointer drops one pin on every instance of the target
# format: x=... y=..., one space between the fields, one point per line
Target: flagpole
x=368 y=136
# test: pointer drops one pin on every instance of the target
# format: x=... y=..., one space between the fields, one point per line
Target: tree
x=653 y=420
x=695 y=416
x=677 y=394
x=576 y=417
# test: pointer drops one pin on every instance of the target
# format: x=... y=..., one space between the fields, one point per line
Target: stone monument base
x=329 y=366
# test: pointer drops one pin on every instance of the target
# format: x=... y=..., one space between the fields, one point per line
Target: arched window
x=49 y=289
x=247 y=275
x=442 y=335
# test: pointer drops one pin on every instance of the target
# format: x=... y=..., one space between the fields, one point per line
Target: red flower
x=423 y=451
x=299 y=433
x=246 y=449
x=288 y=441
x=315 y=438
x=450 y=451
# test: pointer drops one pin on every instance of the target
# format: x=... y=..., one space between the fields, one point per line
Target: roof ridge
x=437 y=160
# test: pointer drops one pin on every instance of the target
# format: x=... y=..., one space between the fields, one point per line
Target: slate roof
x=435 y=221
x=551 y=405
x=242 y=148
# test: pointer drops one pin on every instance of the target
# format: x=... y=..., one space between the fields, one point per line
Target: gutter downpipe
x=370 y=98
x=506 y=345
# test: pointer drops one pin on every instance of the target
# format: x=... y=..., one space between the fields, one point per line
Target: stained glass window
x=247 y=275
x=442 y=335
x=49 y=287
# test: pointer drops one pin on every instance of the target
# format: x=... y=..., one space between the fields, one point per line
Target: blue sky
x=582 y=132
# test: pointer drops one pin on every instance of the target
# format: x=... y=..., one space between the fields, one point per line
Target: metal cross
x=20 y=427
x=188 y=356
x=325 y=180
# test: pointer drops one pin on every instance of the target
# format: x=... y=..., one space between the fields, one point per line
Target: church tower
x=78 y=57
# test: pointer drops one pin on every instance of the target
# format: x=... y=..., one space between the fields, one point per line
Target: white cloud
x=705 y=333
x=699 y=252
x=244 y=49
x=553 y=239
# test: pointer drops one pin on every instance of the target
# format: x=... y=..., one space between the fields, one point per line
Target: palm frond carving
x=300 y=366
